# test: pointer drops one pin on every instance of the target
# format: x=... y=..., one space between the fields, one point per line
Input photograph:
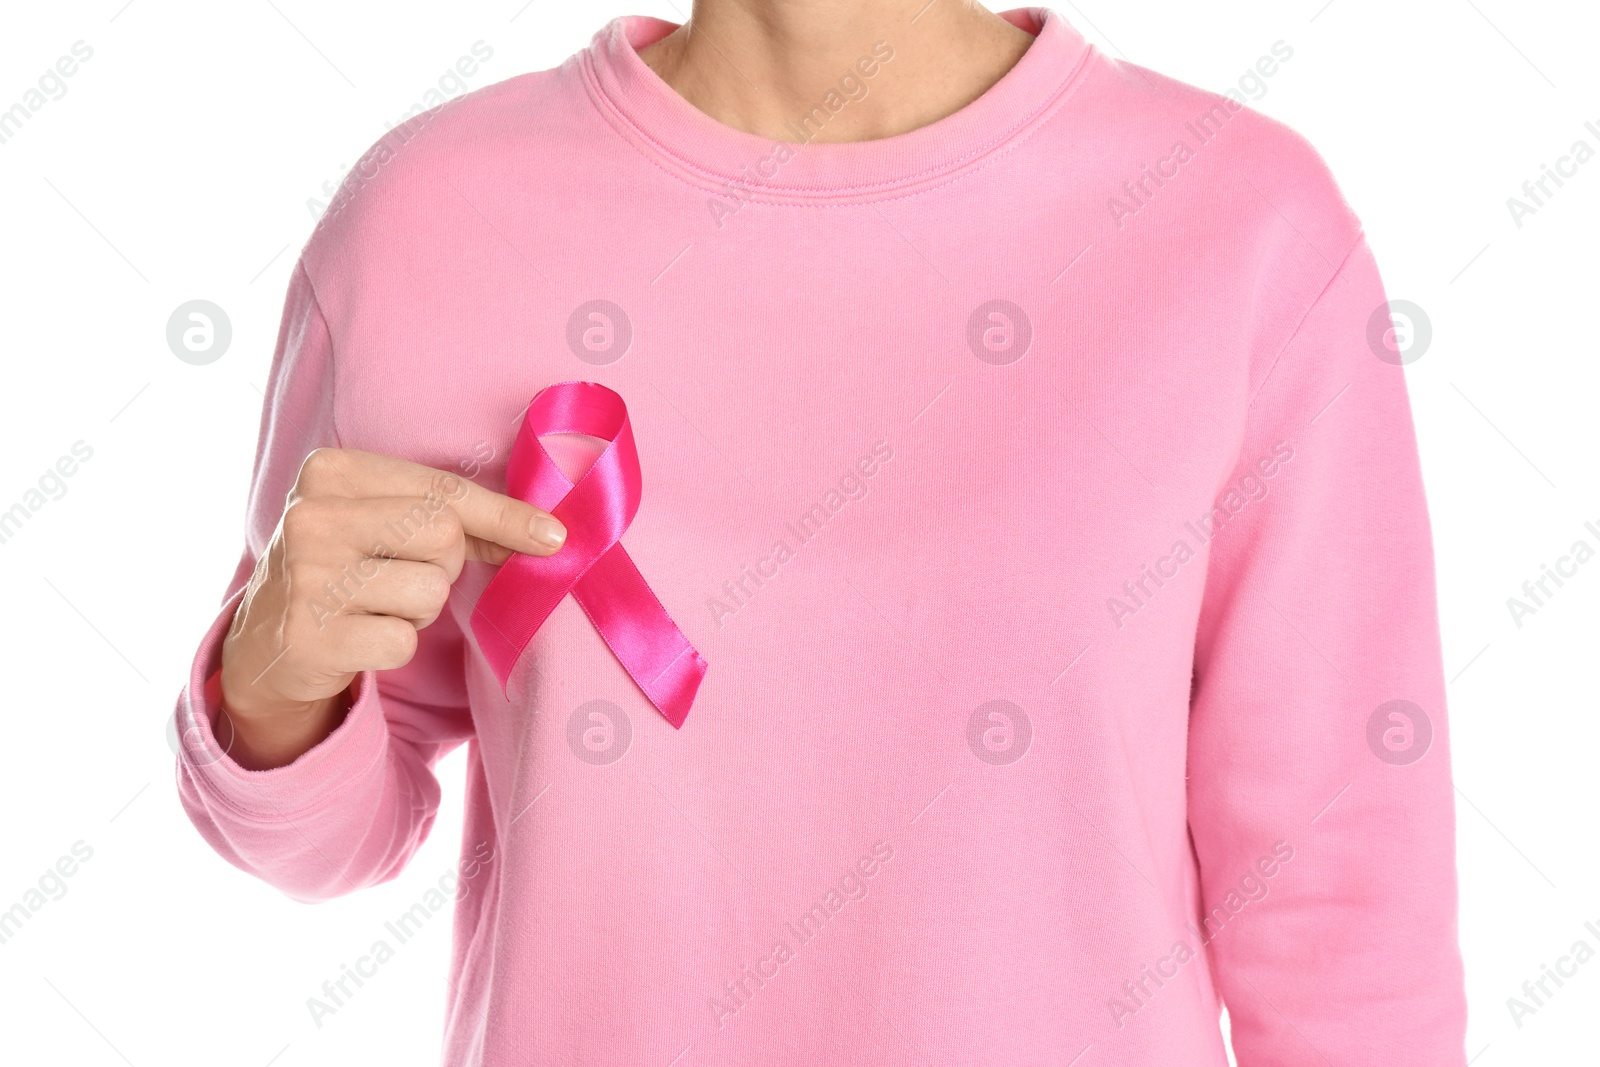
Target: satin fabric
x=592 y=565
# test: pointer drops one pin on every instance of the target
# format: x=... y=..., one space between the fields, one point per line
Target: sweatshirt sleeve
x=1319 y=768
x=351 y=811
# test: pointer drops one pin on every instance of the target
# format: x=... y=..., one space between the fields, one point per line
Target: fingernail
x=549 y=532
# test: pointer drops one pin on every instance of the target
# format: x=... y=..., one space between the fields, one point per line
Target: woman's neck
x=760 y=65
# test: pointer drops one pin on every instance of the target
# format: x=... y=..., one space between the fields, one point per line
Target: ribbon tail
x=508 y=614
x=641 y=634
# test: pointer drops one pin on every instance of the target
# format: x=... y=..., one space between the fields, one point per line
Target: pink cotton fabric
x=1052 y=642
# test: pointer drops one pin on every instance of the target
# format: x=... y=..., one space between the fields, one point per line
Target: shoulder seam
x=333 y=368
x=1361 y=237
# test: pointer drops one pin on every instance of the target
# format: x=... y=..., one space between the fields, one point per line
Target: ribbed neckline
x=720 y=158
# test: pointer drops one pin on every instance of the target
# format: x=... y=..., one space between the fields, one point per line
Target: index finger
x=486 y=515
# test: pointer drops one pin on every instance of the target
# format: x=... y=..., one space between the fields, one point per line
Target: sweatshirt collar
x=736 y=164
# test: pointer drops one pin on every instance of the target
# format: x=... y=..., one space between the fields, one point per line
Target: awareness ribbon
x=592 y=565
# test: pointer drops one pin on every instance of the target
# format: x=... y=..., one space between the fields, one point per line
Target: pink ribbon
x=592 y=565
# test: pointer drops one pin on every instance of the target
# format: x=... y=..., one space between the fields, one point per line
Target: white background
x=178 y=165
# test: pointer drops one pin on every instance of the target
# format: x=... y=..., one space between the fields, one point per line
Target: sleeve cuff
x=353 y=750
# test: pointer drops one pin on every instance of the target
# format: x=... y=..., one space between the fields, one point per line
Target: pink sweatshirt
x=1040 y=487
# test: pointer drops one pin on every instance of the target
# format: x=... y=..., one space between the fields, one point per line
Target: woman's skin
x=756 y=65
x=294 y=649
x=295 y=646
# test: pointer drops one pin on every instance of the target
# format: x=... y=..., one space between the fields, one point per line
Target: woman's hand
x=363 y=558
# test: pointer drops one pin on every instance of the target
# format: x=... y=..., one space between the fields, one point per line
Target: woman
x=1016 y=640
